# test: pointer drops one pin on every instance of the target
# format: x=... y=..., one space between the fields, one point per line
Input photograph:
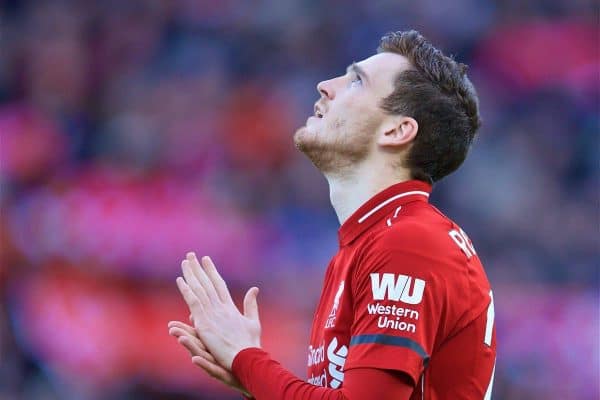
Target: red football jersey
x=406 y=292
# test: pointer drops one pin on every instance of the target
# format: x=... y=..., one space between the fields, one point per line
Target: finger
x=189 y=346
x=214 y=370
x=177 y=332
x=216 y=279
x=191 y=318
x=220 y=373
x=195 y=348
x=189 y=297
x=251 y=304
x=193 y=282
x=182 y=325
x=201 y=276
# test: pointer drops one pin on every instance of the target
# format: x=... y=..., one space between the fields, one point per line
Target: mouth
x=318 y=112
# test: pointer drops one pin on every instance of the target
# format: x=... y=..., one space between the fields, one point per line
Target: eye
x=355 y=80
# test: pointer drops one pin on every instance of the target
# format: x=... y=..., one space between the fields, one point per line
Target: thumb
x=250 y=304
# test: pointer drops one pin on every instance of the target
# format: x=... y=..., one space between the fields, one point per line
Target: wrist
x=243 y=360
x=230 y=358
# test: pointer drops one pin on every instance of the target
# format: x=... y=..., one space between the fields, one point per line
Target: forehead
x=382 y=68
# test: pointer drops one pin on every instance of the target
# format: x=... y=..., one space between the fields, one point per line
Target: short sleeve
x=399 y=302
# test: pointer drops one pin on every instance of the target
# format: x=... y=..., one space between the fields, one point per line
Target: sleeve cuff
x=241 y=367
x=244 y=359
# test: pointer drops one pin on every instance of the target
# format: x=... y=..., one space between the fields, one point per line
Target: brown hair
x=438 y=95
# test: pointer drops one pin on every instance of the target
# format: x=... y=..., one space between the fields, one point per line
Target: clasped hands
x=218 y=331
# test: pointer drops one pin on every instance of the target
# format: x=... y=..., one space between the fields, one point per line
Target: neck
x=352 y=189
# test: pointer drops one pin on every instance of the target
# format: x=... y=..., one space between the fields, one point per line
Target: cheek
x=354 y=117
x=355 y=106
x=336 y=123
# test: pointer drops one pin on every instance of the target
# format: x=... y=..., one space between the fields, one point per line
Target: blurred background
x=134 y=131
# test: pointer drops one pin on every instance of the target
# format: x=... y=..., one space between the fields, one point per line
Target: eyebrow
x=358 y=70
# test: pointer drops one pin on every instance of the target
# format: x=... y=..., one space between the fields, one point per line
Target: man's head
x=408 y=106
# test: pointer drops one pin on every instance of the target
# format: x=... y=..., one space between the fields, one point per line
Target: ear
x=397 y=130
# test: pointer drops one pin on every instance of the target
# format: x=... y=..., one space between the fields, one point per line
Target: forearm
x=266 y=379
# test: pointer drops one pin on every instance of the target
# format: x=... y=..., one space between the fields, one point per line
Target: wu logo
x=403 y=288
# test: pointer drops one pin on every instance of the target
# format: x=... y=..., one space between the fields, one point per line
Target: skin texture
x=352 y=120
x=218 y=324
x=187 y=337
x=213 y=310
x=358 y=147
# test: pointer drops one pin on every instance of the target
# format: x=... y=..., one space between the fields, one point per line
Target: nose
x=325 y=89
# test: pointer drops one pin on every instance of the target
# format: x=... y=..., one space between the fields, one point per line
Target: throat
x=347 y=195
x=348 y=192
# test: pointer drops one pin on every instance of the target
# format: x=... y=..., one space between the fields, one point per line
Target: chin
x=317 y=151
x=304 y=137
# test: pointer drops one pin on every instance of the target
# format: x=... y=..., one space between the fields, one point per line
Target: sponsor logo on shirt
x=330 y=323
x=316 y=355
x=379 y=309
x=337 y=359
x=393 y=317
x=394 y=287
x=318 y=380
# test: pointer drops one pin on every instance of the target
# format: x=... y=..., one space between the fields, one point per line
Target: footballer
x=406 y=310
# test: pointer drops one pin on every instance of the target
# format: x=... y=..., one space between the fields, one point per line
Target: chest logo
x=330 y=323
x=397 y=288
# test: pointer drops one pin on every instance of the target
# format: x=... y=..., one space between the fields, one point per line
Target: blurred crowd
x=134 y=131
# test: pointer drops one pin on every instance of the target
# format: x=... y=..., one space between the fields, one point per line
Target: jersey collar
x=380 y=205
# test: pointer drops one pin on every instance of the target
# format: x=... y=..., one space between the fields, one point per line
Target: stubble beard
x=349 y=147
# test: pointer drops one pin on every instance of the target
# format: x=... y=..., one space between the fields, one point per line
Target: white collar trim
x=388 y=201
